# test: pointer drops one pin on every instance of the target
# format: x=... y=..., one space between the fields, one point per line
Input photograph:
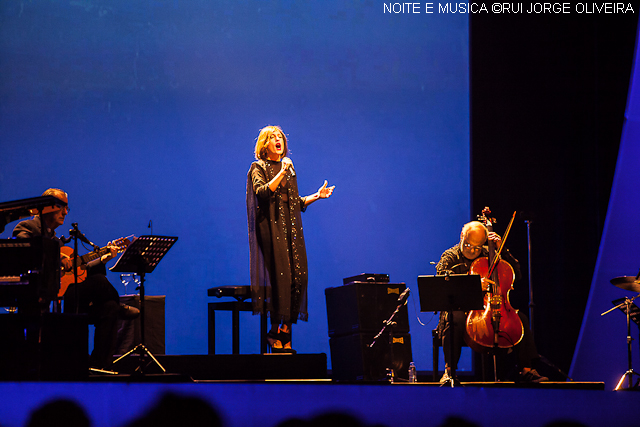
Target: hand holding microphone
x=288 y=164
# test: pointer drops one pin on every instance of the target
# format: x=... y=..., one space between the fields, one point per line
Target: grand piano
x=18 y=209
x=29 y=268
x=36 y=344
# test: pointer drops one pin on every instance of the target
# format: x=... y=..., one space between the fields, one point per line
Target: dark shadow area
x=548 y=96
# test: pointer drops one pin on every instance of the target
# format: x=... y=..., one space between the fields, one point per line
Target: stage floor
x=269 y=402
x=264 y=390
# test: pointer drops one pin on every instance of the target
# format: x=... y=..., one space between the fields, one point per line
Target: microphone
x=404 y=295
x=293 y=172
x=74 y=232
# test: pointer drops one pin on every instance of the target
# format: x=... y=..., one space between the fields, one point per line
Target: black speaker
x=51 y=347
x=154 y=325
x=352 y=359
x=362 y=307
x=65 y=347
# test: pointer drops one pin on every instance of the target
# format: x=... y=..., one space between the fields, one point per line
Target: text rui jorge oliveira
x=510 y=8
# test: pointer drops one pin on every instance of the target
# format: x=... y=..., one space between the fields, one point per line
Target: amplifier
x=364 y=307
x=353 y=360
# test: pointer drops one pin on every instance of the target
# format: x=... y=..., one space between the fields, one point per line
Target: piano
x=17 y=209
x=29 y=272
x=29 y=268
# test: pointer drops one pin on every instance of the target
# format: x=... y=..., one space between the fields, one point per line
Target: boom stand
x=632 y=311
x=402 y=300
x=451 y=292
x=142 y=257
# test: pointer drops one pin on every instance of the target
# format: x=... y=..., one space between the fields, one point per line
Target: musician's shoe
x=126 y=312
x=531 y=376
x=447 y=378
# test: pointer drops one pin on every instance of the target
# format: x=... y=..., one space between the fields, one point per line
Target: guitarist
x=95 y=296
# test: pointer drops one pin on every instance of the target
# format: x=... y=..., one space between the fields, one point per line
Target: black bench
x=241 y=295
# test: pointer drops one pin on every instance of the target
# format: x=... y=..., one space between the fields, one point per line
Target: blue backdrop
x=148 y=111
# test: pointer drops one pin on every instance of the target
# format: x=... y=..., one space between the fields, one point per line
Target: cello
x=498 y=324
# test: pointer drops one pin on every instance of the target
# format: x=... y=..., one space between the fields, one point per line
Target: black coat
x=278 y=258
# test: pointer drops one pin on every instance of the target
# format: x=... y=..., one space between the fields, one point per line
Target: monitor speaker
x=361 y=307
x=352 y=358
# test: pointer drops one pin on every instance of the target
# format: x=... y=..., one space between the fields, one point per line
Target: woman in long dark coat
x=277 y=250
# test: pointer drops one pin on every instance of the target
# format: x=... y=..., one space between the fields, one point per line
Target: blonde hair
x=260 y=150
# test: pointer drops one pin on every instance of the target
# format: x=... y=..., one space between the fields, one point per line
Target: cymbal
x=628 y=283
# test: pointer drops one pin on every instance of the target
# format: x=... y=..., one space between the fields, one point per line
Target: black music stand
x=141 y=257
x=451 y=292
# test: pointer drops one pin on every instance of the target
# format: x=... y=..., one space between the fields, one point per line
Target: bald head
x=473 y=236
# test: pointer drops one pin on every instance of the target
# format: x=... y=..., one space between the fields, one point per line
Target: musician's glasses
x=471 y=247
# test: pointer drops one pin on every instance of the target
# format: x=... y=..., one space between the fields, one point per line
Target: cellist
x=457 y=260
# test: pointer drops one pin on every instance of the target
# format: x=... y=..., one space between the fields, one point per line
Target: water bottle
x=413 y=377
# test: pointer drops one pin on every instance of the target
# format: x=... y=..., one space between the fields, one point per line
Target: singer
x=278 y=258
x=458 y=260
x=95 y=296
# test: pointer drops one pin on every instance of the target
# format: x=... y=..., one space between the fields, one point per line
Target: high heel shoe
x=285 y=338
x=274 y=342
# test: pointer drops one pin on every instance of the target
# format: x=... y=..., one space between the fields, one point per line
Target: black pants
x=526 y=351
x=97 y=297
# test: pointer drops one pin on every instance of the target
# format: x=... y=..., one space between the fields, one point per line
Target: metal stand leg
x=630 y=372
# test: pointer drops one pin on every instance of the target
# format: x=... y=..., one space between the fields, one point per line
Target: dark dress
x=278 y=257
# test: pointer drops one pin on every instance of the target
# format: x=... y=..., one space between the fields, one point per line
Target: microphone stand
x=75 y=232
x=391 y=375
x=532 y=305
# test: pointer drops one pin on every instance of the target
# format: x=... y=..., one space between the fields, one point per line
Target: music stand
x=141 y=257
x=451 y=292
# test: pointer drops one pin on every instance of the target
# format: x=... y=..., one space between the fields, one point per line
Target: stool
x=437 y=343
x=242 y=296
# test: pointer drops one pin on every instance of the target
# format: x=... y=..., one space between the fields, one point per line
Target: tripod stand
x=142 y=257
x=632 y=312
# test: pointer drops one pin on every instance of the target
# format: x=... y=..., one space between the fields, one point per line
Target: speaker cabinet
x=353 y=360
x=154 y=325
x=362 y=307
x=51 y=347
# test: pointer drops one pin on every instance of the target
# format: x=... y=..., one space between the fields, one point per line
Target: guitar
x=67 y=276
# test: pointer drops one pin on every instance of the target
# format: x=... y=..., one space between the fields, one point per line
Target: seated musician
x=458 y=260
x=95 y=296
